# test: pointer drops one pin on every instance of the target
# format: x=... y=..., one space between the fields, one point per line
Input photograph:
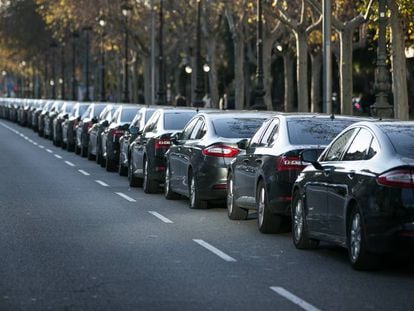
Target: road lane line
x=162 y=218
x=35 y=143
x=125 y=197
x=70 y=163
x=293 y=298
x=41 y=147
x=101 y=183
x=214 y=250
x=48 y=150
x=57 y=156
x=83 y=172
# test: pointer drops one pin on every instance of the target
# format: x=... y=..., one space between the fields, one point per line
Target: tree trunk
x=345 y=71
x=213 y=75
x=239 y=59
x=399 y=66
x=302 y=70
x=267 y=72
x=289 y=81
x=316 y=96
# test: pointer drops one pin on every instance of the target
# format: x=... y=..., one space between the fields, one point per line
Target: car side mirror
x=311 y=156
x=134 y=130
x=176 y=137
x=94 y=120
x=125 y=127
x=243 y=144
x=65 y=116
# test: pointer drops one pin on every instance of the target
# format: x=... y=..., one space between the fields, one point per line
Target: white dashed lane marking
x=103 y=184
x=48 y=150
x=70 y=163
x=294 y=299
x=215 y=250
x=160 y=217
x=84 y=173
x=125 y=197
x=58 y=156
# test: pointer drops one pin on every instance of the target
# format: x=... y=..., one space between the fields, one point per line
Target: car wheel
x=195 y=202
x=122 y=170
x=267 y=222
x=84 y=152
x=168 y=193
x=359 y=257
x=299 y=230
x=77 y=149
x=233 y=210
x=133 y=181
x=91 y=157
x=149 y=185
x=110 y=165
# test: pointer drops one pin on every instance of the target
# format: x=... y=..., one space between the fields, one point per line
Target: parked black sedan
x=261 y=178
x=89 y=118
x=64 y=112
x=69 y=126
x=135 y=128
x=110 y=137
x=197 y=162
x=147 y=162
x=359 y=194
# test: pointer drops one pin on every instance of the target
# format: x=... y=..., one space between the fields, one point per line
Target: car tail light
x=162 y=143
x=221 y=151
x=290 y=164
x=117 y=133
x=402 y=178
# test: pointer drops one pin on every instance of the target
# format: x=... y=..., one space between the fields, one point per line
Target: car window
x=82 y=109
x=315 y=131
x=98 y=109
x=268 y=138
x=128 y=114
x=358 y=149
x=202 y=131
x=188 y=129
x=237 y=127
x=401 y=137
x=337 y=148
x=196 y=129
x=152 y=123
x=87 y=113
x=373 y=148
x=256 y=137
x=175 y=120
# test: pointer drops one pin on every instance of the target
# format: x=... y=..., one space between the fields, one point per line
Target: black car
x=135 y=128
x=147 y=162
x=359 y=194
x=198 y=159
x=49 y=118
x=69 y=126
x=89 y=118
x=261 y=178
x=63 y=114
x=110 y=137
x=94 y=145
x=41 y=118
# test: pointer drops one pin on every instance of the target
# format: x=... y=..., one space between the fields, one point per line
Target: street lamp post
x=87 y=31
x=102 y=23
x=75 y=36
x=199 y=88
x=382 y=108
x=327 y=57
x=126 y=11
x=161 y=79
x=260 y=91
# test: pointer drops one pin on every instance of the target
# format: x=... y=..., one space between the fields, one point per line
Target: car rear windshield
x=402 y=138
x=176 y=120
x=127 y=115
x=315 y=131
x=234 y=127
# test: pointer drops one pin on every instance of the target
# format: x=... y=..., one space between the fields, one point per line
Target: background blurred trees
x=292 y=31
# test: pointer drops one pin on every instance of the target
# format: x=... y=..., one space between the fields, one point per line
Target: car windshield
x=401 y=137
x=315 y=131
x=98 y=109
x=175 y=120
x=127 y=115
x=68 y=108
x=82 y=109
x=234 y=127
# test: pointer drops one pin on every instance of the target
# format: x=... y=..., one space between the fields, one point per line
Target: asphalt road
x=74 y=237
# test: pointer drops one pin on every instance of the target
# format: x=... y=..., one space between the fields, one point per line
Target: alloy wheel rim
x=298 y=220
x=230 y=196
x=192 y=192
x=261 y=205
x=355 y=236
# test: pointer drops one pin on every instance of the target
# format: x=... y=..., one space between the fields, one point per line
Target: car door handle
x=351 y=175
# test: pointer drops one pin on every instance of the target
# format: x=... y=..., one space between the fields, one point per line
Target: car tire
x=77 y=149
x=90 y=156
x=84 y=152
x=110 y=165
x=233 y=210
x=267 y=222
x=133 y=181
x=195 y=202
x=359 y=256
x=149 y=185
x=168 y=193
x=300 y=236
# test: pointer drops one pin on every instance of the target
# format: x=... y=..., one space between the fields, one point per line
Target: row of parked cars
x=341 y=179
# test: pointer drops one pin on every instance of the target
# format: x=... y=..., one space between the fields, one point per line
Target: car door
x=244 y=173
x=316 y=187
x=346 y=176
